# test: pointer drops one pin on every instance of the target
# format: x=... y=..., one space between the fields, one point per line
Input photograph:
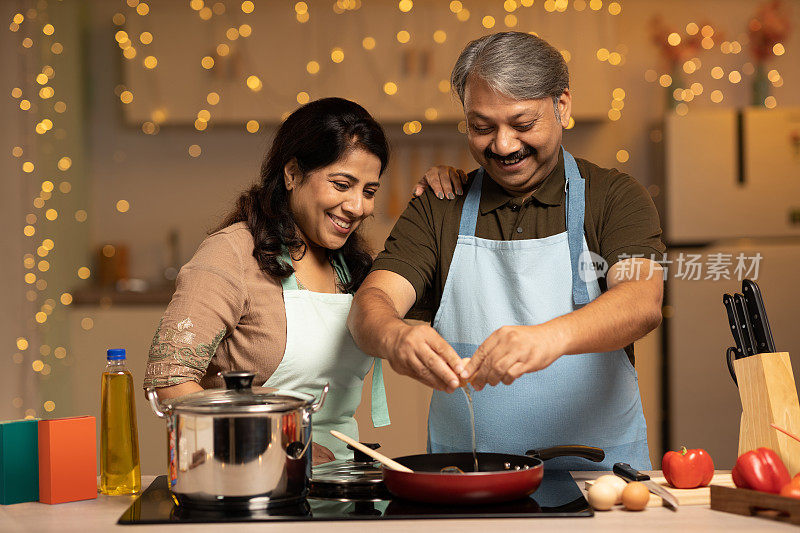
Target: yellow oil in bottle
x=119 y=441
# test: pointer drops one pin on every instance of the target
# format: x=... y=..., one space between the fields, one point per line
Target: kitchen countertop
x=101 y=515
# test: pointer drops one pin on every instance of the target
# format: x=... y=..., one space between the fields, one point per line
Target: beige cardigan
x=226 y=314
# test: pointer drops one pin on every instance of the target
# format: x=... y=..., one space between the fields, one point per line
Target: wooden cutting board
x=699 y=496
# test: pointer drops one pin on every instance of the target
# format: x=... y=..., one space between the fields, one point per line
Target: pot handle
x=587 y=452
x=317 y=405
x=154 y=404
x=296 y=450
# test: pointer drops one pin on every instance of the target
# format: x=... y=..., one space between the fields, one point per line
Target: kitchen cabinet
x=732 y=188
x=732 y=173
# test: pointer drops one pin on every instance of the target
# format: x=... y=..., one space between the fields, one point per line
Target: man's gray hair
x=516 y=64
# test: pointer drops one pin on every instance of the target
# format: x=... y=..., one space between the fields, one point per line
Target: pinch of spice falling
x=465 y=388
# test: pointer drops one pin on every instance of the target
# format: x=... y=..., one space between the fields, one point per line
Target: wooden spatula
x=382 y=459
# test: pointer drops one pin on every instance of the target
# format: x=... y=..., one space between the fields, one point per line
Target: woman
x=270 y=290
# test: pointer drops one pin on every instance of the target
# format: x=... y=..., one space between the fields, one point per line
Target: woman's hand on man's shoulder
x=444 y=181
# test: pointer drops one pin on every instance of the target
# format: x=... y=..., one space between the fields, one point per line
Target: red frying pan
x=502 y=477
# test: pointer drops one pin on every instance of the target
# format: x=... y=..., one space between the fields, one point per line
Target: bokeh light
x=390 y=88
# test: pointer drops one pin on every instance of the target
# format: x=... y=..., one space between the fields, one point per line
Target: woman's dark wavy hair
x=315 y=135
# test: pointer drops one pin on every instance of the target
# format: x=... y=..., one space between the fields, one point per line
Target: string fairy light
x=51 y=169
x=134 y=36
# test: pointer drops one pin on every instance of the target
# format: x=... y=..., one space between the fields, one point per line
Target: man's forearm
x=372 y=318
x=376 y=322
x=618 y=317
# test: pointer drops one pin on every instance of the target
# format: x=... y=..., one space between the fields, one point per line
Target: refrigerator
x=731 y=209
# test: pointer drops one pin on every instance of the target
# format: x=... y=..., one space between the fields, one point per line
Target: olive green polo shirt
x=620 y=221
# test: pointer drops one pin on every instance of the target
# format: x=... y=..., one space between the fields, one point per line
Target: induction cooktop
x=557 y=496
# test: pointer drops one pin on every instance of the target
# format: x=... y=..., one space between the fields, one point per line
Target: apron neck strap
x=339 y=265
x=289 y=283
x=575 y=187
x=469 y=214
x=575 y=206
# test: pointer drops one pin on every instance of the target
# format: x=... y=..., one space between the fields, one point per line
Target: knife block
x=769 y=395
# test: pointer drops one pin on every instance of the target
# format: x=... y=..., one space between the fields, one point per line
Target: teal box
x=19 y=461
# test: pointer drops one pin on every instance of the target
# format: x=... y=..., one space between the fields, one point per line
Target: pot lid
x=347 y=480
x=360 y=478
x=347 y=472
x=240 y=397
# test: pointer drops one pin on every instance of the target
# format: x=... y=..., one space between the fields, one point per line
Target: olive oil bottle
x=119 y=439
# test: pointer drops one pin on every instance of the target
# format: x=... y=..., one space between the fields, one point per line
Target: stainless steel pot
x=241 y=447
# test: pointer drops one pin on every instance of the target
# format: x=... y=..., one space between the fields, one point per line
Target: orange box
x=67 y=459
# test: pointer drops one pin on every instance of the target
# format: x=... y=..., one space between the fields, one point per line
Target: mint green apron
x=320 y=350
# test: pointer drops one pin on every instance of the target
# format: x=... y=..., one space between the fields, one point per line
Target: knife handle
x=754 y=305
x=733 y=321
x=626 y=471
x=750 y=346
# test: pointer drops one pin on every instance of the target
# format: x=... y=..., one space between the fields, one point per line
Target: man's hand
x=510 y=352
x=420 y=352
x=320 y=454
x=627 y=311
x=417 y=351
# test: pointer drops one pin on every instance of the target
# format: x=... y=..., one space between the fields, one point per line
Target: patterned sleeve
x=209 y=300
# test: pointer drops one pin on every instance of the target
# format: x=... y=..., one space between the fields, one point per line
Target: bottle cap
x=115 y=354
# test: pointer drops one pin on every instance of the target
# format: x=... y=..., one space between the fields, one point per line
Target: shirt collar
x=549 y=192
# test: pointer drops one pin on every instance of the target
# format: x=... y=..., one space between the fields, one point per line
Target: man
x=506 y=266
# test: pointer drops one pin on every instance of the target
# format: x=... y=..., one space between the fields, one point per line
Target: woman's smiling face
x=329 y=203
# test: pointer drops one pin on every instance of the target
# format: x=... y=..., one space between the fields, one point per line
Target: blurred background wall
x=130 y=128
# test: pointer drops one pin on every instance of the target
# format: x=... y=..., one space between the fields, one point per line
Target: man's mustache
x=525 y=151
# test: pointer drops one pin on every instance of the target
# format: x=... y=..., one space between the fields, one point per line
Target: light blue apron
x=320 y=350
x=591 y=399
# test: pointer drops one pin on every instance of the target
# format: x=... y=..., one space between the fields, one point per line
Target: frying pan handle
x=573 y=450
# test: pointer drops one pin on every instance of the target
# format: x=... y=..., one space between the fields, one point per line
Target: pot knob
x=238 y=380
x=361 y=457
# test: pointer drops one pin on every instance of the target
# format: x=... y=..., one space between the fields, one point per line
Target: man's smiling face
x=516 y=141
